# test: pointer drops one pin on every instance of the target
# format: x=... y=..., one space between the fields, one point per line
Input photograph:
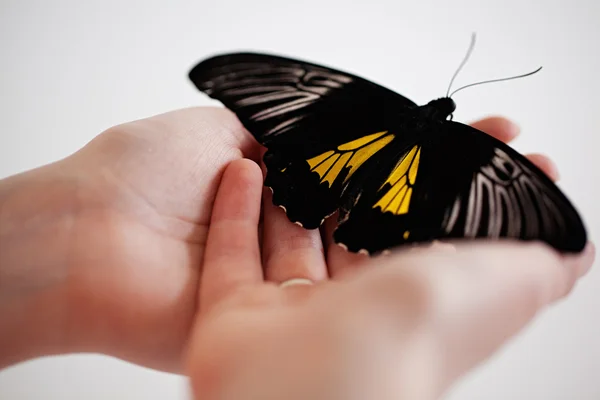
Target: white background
x=70 y=69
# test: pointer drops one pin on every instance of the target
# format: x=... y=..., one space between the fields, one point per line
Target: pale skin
x=118 y=249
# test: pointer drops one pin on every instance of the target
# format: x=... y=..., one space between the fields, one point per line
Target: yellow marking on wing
x=330 y=164
x=397 y=199
x=390 y=195
x=355 y=144
x=412 y=173
x=325 y=165
x=406 y=234
x=365 y=153
x=313 y=162
x=337 y=168
x=402 y=168
x=396 y=202
x=405 y=202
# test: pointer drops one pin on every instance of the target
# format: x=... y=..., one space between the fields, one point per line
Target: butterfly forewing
x=277 y=97
x=320 y=125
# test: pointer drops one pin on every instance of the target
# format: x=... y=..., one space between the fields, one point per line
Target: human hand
x=106 y=245
x=118 y=231
x=403 y=326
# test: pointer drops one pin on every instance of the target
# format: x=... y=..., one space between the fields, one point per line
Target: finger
x=501 y=128
x=546 y=165
x=505 y=130
x=582 y=263
x=232 y=255
x=440 y=245
x=340 y=262
x=289 y=250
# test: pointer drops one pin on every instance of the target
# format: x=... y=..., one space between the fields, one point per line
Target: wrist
x=37 y=209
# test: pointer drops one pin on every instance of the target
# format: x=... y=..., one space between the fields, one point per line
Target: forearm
x=36 y=211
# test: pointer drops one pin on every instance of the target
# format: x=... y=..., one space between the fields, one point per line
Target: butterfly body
x=438 y=110
x=397 y=173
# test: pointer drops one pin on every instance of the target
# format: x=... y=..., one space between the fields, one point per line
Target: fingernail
x=554 y=170
x=515 y=128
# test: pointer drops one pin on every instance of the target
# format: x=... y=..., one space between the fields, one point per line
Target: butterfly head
x=442 y=108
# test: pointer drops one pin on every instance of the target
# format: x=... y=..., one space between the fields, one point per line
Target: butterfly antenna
x=496 y=80
x=464 y=61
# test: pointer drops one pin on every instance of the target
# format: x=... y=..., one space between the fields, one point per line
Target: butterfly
x=397 y=173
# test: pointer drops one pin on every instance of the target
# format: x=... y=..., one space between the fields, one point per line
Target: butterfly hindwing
x=388 y=210
x=508 y=196
x=313 y=186
x=461 y=184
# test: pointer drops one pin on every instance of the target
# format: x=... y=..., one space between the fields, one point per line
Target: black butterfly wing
x=277 y=97
x=312 y=187
x=320 y=125
x=462 y=183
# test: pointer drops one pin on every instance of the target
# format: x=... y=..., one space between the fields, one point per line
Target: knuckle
x=411 y=291
x=292 y=245
x=420 y=291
